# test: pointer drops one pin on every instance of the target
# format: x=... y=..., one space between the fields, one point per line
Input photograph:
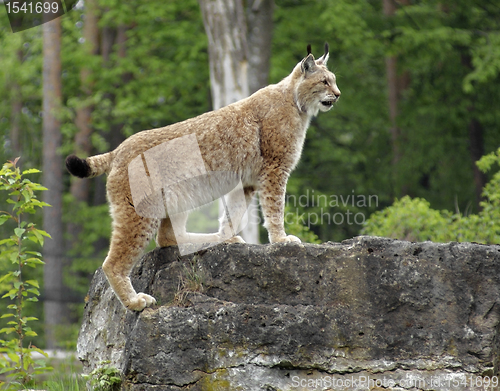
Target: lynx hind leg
x=237 y=208
x=167 y=236
x=131 y=234
x=173 y=232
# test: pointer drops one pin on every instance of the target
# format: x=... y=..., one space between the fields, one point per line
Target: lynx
x=259 y=139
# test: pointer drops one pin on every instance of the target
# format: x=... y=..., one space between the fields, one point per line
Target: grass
x=193 y=278
x=62 y=384
x=66 y=376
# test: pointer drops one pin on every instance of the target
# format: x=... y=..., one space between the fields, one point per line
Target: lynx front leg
x=131 y=234
x=272 y=199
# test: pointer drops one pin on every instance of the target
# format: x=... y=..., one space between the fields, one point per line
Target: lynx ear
x=308 y=64
x=324 y=58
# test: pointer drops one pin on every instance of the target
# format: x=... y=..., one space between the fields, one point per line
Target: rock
x=366 y=314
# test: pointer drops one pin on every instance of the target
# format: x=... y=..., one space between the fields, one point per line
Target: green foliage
x=104 y=378
x=409 y=219
x=487 y=223
x=415 y=220
x=20 y=81
x=66 y=376
x=15 y=358
x=441 y=49
x=72 y=384
x=441 y=46
x=95 y=225
x=162 y=78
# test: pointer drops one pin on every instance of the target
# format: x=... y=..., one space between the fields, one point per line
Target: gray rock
x=368 y=313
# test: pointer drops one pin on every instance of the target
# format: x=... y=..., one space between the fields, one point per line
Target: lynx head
x=315 y=86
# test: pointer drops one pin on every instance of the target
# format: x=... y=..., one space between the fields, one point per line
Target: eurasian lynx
x=259 y=139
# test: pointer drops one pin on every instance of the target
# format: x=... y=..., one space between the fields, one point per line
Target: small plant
x=15 y=358
x=191 y=279
x=104 y=378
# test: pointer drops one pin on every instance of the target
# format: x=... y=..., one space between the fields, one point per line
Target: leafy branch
x=15 y=359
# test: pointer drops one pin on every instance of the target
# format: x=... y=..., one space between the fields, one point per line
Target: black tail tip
x=77 y=167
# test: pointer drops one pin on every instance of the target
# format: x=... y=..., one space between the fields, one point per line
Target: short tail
x=90 y=167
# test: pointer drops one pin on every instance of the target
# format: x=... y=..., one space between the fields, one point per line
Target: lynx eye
x=325 y=82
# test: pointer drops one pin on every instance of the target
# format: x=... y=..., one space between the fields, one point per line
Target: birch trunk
x=239 y=52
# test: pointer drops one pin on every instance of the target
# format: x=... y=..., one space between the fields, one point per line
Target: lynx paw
x=288 y=238
x=140 y=302
x=235 y=239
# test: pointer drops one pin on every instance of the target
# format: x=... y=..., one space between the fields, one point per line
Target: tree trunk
x=392 y=86
x=259 y=36
x=16 y=106
x=239 y=54
x=54 y=307
x=225 y=25
x=15 y=130
x=80 y=188
x=110 y=37
x=396 y=84
x=476 y=142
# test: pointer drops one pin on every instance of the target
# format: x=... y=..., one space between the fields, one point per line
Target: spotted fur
x=260 y=138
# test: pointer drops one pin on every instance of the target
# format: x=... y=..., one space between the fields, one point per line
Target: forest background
x=420 y=96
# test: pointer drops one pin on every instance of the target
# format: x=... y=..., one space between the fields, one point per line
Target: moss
x=452 y=348
x=217 y=381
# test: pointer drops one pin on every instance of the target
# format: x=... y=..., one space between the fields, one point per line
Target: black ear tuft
x=308 y=49
x=327 y=48
x=78 y=167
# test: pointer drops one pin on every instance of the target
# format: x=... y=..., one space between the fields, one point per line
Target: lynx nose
x=337 y=93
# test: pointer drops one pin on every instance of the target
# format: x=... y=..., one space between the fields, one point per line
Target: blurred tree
x=225 y=25
x=133 y=84
x=54 y=291
x=20 y=81
x=397 y=83
x=83 y=118
x=239 y=56
x=16 y=112
x=448 y=112
x=349 y=151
